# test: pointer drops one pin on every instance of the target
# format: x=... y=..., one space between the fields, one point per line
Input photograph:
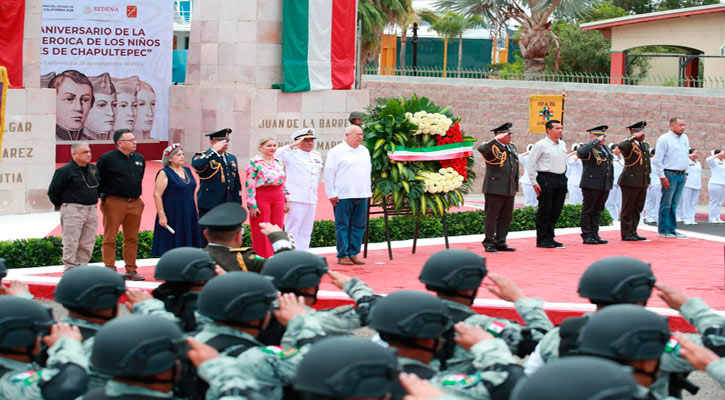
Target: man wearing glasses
x=74 y=191
x=121 y=172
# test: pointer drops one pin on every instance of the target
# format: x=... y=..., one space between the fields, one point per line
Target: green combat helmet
x=343 y=367
x=449 y=271
x=183 y=270
x=356 y=115
x=617 y=280
x=578 y=378
x=185 y=264
x=136 y=346
x=624 y=332
x=86 y=288
x=295 y=269
x=237 y=297
x=22 y=321
x=410 y=314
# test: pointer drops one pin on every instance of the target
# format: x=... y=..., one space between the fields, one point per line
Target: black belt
x=674 y=171
x=549 y=173
x=127 y=199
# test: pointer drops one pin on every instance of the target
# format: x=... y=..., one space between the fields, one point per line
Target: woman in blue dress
x=177 y=219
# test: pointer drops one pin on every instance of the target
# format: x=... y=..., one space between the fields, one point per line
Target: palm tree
x=536 y=38
x=451 y=26
x=374 y=16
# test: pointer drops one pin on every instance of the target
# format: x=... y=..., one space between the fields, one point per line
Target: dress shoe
x=357 y=261
x=490 y=249
x=640 y=237
x=601 y=241
x=133 y=276
x=679 y=235
x=590 y=240
x=630 y=239
x=505 y=248
x=345 y=261
x=546 y=245
x=557 y=244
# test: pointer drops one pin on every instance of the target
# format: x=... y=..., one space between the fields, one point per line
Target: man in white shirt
x=348 y=186
x=304 y=167
x=547 y=168
x=716 y=185
x=670 y=164
x=691 y=193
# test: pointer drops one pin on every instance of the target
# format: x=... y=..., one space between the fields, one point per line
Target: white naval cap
x=306 y=133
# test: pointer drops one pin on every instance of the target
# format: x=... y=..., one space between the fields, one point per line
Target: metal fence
x=711 y=82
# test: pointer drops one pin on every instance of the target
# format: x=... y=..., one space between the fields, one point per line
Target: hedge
x=25 y=253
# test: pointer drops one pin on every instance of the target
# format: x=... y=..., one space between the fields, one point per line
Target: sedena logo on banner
x=110 y=65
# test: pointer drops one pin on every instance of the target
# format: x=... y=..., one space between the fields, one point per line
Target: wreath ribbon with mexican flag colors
x=421 y=160
x=435 y=153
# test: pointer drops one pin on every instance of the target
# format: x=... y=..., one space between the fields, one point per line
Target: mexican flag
x=318 y=44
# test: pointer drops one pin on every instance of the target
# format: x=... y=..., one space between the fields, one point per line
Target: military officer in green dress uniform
x=634 y=180
x=596 y=182
x=218 y=173
x=499 y=187
x=223 y=230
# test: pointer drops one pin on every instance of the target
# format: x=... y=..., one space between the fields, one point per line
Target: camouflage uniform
x=89 y=329
x=487 y=355
x=24 y=380
x=702 y=317
x=531 y=311
x=341 y=320
x=272 y=367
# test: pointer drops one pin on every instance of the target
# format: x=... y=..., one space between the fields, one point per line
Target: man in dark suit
x=223 y=229
x=218 y=173
x=634 y=180
x=596 y=182
x=499 y=187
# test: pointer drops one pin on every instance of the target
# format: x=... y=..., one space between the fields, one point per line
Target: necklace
x=83 y=176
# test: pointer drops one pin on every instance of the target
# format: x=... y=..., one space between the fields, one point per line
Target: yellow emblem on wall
x=543 y=109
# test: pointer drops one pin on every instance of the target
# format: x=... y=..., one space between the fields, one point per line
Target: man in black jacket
x=499 y=187
x=74 y=191
x=597 y=180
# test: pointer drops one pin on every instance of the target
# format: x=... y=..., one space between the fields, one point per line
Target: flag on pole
x=318 y=44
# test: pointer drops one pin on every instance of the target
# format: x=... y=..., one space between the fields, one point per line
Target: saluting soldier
x=218 y=173
x=634 y=180
x=499 y=187
x=596 y=182
x=223 y=230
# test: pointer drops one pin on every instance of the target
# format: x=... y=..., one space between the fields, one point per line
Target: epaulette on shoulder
x=240 y=249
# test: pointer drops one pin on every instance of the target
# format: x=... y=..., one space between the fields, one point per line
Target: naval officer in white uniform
x=304 y=167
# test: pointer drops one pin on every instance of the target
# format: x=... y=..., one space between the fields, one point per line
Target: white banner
x=110 y=63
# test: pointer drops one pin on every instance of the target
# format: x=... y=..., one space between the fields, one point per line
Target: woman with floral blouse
x=267 y=195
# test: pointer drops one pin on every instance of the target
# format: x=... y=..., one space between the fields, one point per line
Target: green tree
x=374 y=16
x=536 y=38
x=450 y=26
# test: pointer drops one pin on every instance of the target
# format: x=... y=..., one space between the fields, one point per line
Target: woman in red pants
x=267 y=196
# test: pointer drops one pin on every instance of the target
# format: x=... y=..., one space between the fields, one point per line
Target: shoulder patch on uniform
x=281 y=352
x=672 y=345
x=462 y=380
x=495 y=328
x=27 y=378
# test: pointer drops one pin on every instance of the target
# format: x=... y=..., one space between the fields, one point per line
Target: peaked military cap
x=598 y=130
x=224 y=217
x=505 y=128
x=638 y=127
x=221 y=134
x=304 y=133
